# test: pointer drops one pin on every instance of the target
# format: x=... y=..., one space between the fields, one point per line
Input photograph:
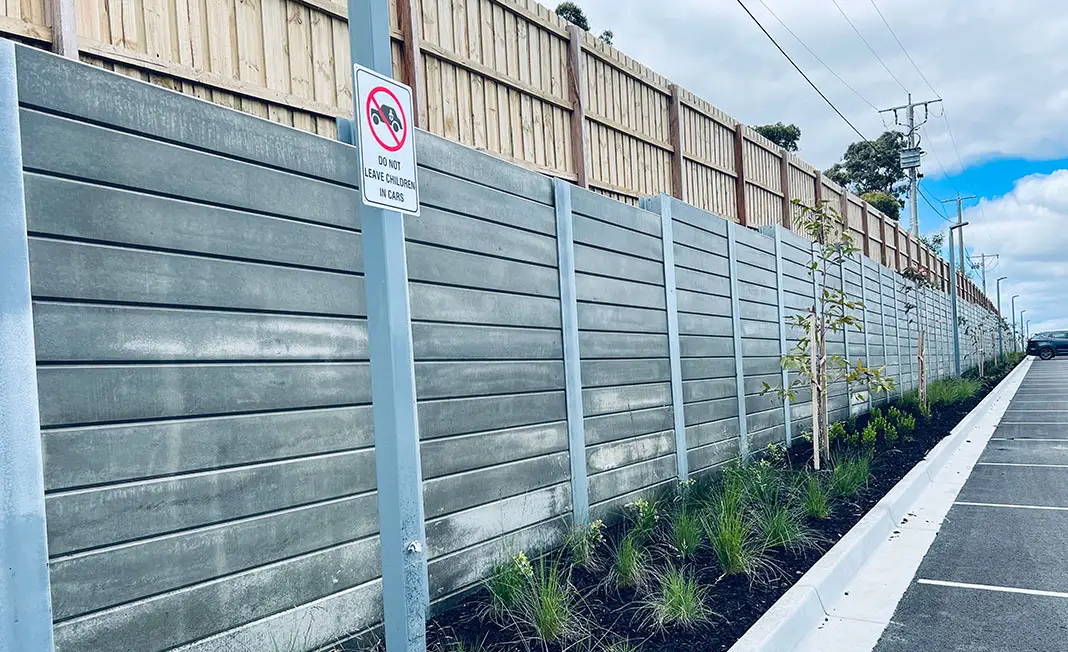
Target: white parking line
x=1041 y=466
x=1000 y=589
x=1011 y=410
x=1025 y=439
x=1033 y=423
x=1039 y=507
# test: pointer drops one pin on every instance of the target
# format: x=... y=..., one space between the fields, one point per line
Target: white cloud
x=1030 y=227
x=1000 y=65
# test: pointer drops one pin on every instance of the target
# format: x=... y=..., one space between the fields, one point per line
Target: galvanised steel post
x=1013 y=302
x=405 y=594
x=864 y=301
x=576 y=430
x=682 y=466
x=784 y=375
x=736 y=330
x=25 y=600
x=1001 y=334
x=953 y=299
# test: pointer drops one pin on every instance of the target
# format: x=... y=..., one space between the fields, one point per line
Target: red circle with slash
x=375 y=100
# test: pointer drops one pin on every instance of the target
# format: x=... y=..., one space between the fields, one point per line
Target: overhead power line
x=876 y=150
x=801 y=72
x=907 y=55
x=870 y=48
x=816 y=56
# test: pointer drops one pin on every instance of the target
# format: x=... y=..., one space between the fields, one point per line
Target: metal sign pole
x=405 y=596
x=25 y=600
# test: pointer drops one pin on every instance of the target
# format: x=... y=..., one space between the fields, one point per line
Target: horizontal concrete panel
x=461 y=195
x=465 y=415
x=91 y=153
x=199 y=611
x=757 y=421
x=104 y=578
x=452 y=493
x=612 y=264
x=594 y=344
x=767 y=330
x=714 y=410
x=75 y=209
x=602 y=373
x=629 y=451
x=698 y=218
x=589 y=203
x=68 y=270
x=94 y=394
x=478 y=235
x=691 y=324
x=598 y=317
x=437 y=265
x=89 y=518
x=599 y=289
x=694 y=391
x=98 y=454
x=616 y=238
x=707 y=368
x=613 y=427
x=712 y=455
x=452 y=573
x=607 y=485
x=460 y=531
x=472 y=342
x=434 y=380
x=701 y=238
x=707 y=304
x=448 y=455
x=80 y=332
x=711 y=432
x=100 y=96
x=696 y=259
x=606 y=400
x=472 y=306
x=758 y=294
x=700 y=346
x=702 y=281
x=444 y=155
x=759 y=312
x=756 y=276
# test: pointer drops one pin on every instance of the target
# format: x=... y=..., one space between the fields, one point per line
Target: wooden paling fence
x=504 y=76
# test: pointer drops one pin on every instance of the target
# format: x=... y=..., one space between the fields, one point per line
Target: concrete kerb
x=805 y=606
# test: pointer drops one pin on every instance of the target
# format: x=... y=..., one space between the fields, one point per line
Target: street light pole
x=1001 y=334
x=1023 y=332
x=1014 y=297
x=953 y=294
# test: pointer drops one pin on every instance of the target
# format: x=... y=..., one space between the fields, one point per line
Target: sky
x=1000 y=133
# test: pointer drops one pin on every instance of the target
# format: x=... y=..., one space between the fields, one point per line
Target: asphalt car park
x=995 y=578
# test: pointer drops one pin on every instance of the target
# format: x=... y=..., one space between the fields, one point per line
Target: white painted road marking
x=1025 y=439
x=1000 y=589
x=1039 y=507
x=1043 y=466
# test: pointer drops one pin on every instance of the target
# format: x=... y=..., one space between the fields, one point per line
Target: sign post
x=388 y=184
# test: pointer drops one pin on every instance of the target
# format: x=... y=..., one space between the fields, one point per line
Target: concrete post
x=736 y=330
x=405 y=593
x=682 y=466
x=576 y=432
x=25 y=600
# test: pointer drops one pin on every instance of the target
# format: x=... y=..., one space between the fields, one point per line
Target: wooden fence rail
x=504 y=76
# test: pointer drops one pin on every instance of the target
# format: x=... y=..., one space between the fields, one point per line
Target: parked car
x=1048 y=345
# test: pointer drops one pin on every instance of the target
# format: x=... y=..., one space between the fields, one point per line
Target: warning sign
x=387 y=146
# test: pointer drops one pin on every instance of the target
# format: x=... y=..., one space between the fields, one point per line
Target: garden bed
x=597 y=611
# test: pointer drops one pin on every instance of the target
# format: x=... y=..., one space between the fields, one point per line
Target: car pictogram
x=390 y=115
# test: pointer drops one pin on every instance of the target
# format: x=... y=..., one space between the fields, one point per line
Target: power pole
x=982 y=266
x=960 y=222
x=910 y=159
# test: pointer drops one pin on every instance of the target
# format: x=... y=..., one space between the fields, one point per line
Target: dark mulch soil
x=737 y=601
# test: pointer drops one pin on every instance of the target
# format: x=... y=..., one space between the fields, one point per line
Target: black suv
x=1048 y=345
